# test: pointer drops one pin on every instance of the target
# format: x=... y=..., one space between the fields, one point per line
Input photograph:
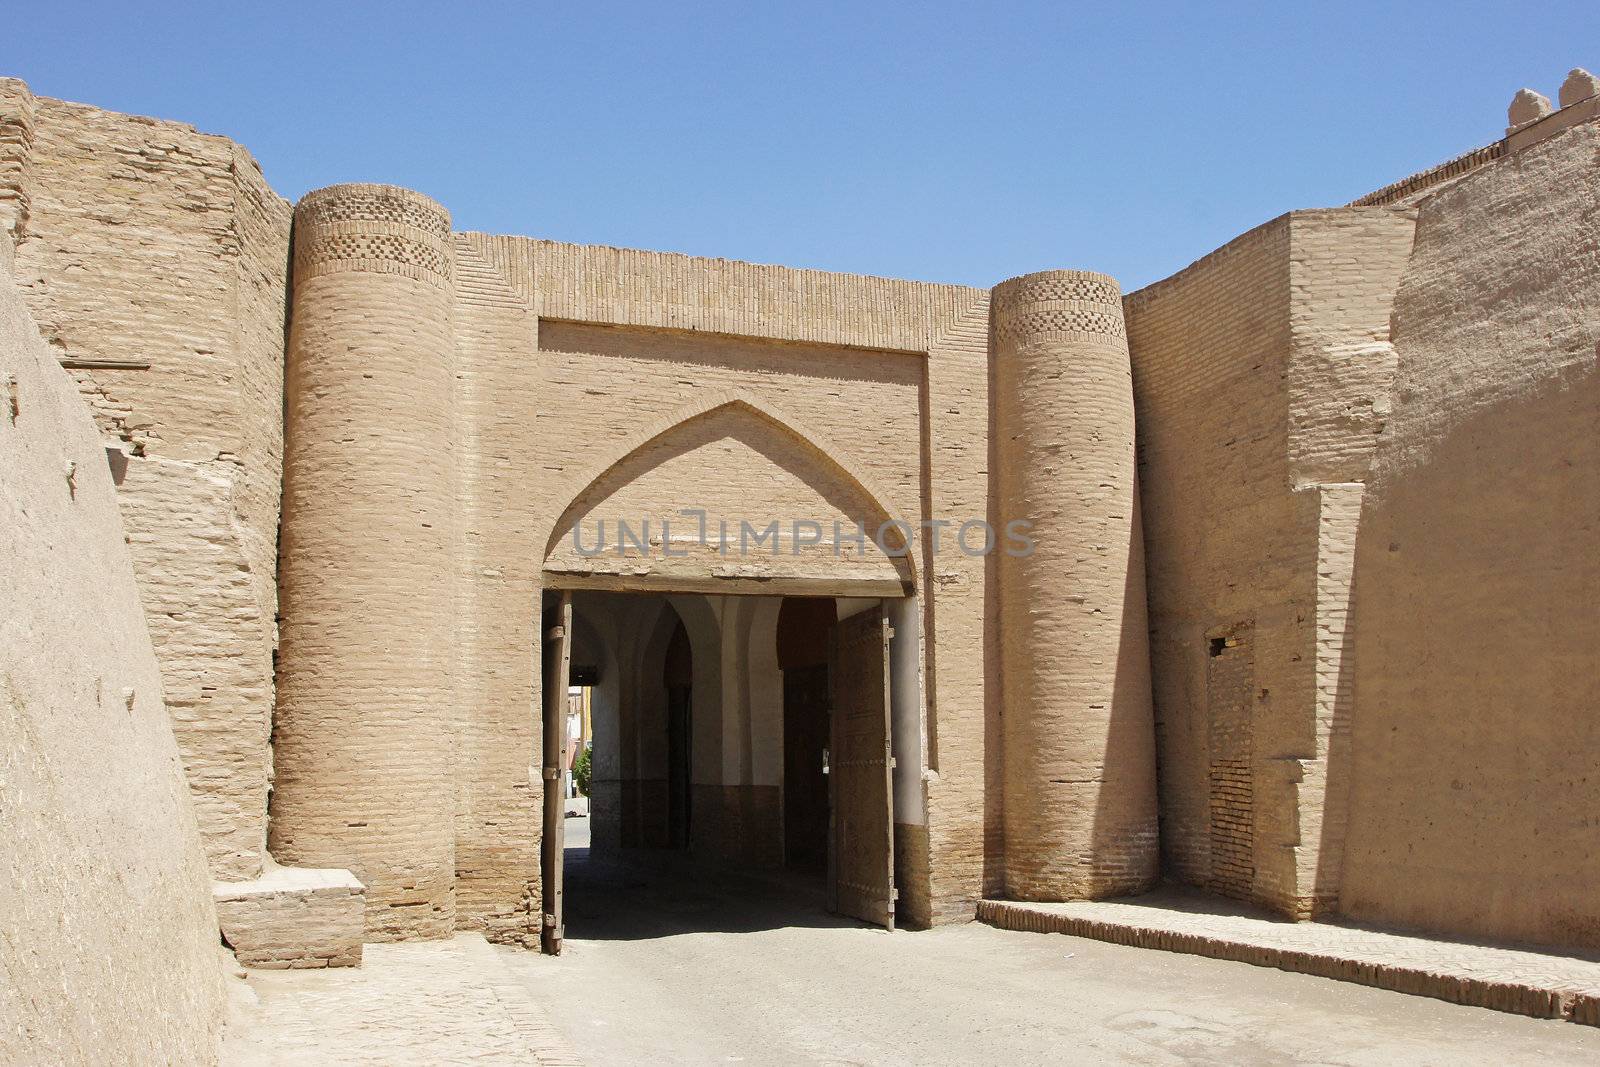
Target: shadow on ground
x=639 y=894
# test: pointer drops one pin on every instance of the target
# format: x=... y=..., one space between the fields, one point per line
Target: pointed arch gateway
x=728 y=496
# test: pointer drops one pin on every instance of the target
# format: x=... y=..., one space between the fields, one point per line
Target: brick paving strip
x=1523 y=981
x=423 y=1002
x=546 y=1043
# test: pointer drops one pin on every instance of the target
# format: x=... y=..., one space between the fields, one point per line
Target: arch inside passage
x=713 y=719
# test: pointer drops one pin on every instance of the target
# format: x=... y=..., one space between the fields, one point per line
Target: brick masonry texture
x=1476 y=578
x=1261 y=380
x=1207 y=352
x=1078 y=748
x=1357 y=442
x=366 y=713
x=758 y=373
x=1230 y=697
x=109 y=212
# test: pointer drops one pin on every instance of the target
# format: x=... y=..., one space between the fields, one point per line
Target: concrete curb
x=1533 y=995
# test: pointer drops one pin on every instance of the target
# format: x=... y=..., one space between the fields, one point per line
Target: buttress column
x=1078 y=734
x=363 y=736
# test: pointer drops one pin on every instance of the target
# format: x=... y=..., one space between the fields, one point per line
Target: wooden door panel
x=557 y=668
x=861 y=867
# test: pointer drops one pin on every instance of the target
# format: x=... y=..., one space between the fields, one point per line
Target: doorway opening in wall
x=740 y=768
x=580 y=699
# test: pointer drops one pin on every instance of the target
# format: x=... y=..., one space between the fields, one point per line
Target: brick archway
x=762 y=467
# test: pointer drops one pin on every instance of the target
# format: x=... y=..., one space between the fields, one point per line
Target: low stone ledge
x=293 y=917
x=1520 y=981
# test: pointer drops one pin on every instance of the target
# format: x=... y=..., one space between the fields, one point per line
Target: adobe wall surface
x=108 y=939
x=154 y=259
x=1363 y=522
x=1261 y=378
x=1475 y=679
x=1345 y=265
x=1210 y=351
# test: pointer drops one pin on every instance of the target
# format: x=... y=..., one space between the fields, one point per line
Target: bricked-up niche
x=1077 y=730
x=364 y=728
x=1230 y=697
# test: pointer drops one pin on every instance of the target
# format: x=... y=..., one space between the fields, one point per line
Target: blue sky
x=941 y=141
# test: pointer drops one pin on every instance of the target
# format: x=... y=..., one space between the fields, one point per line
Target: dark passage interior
x=678 y=678
x=805 y=626
x=711 y=727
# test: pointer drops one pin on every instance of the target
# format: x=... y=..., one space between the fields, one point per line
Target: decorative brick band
x=1416 y=183
x=1057 y=285
x=365 y=202
x=379 y=229
x=1080 y=305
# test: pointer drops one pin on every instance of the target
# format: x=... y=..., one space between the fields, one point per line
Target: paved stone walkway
x=670 y=963
x=430 y=1002
x=1507 y=979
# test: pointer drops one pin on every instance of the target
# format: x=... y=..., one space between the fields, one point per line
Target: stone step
x=1520 y=980
x=293 y=917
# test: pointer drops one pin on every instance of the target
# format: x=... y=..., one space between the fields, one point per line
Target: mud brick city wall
x=366 y=717
x=1230 y=699
x=109 y=948
x=1364 y=449
x=1077 y=738
x=154 y=259
x=1262 y=377
x=1476 y=577
x=1210 y=348
x=1345 y=265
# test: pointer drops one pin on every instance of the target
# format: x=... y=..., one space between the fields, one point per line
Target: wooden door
x=860 y=767
x=557 y=668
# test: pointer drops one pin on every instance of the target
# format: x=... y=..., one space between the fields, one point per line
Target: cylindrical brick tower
x=363 y=733
x=1078 y=733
